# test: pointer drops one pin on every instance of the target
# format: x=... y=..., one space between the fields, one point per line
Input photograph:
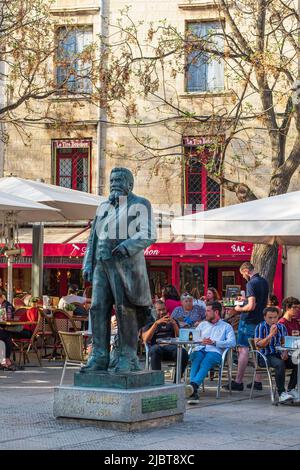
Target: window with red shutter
x=200 y=189
x=72 y=165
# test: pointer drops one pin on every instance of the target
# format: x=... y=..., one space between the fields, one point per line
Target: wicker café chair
x=19 y=312
x=17 y=302
x=62 y=321
x=24 y=345
x=74 y=350
x=47 y=332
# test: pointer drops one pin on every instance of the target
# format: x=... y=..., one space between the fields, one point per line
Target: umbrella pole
x=10 y=240
x=10 y=279
x=37 y=260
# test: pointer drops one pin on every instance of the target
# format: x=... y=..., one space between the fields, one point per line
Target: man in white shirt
x=215 y=335
x=72 y=297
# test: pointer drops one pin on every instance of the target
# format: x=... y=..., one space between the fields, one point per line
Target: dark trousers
x=6 y=337
x=280 y=366
x=167 y=352
x=24 y=334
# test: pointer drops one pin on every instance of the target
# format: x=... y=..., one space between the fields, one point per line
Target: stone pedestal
x=99 y=379
x=125 y=409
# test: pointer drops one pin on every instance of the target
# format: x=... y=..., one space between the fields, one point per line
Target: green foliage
x=70 y=307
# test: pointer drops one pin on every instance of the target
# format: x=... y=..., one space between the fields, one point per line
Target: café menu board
x=233 y=290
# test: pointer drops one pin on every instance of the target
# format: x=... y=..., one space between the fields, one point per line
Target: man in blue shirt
x=215 y=335
x=268 y=336
x=257 y=291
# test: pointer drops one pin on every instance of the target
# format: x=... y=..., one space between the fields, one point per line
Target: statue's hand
x=87 y=274
x=120 y=251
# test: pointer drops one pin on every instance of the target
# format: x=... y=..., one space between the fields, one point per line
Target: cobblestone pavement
x=26 y=401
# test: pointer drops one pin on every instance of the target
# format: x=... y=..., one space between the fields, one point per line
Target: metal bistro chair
x=256 y=354
x=171 y=367
x=74 y=350
x=226 y=356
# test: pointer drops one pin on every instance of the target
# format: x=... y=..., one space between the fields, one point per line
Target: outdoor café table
x=4 y=323
x=180 y=344
x=297 y=356
x=11 y=325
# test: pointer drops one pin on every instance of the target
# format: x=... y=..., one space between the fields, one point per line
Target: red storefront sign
x=196 y=249
x=177 y=252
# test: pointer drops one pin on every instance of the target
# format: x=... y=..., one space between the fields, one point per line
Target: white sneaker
x=285 y=396
x=294 y=393
x=189 y=390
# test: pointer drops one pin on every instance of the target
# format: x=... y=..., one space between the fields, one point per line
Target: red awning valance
x=157 y=250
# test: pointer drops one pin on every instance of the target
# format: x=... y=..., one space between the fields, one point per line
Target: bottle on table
x=190 y=336
x=4 y=314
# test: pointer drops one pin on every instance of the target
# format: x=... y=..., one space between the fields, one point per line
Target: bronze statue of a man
x=114 y=261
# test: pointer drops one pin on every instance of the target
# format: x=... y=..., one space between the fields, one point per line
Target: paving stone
x=233 y=422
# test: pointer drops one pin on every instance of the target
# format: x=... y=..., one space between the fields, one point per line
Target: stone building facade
x=82 y=156
x=98 y=144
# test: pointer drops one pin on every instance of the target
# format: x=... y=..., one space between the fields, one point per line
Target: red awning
x=157 y=250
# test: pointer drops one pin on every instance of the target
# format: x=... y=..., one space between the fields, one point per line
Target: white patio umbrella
x=267 y=220
x=73 y=205
x=13 y=211
x=22 y=210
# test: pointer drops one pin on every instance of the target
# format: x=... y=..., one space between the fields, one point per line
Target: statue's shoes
x=135 y=365
x=125 y=364
x=95 y=364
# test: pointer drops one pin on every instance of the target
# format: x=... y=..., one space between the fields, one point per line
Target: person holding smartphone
x=163 y=327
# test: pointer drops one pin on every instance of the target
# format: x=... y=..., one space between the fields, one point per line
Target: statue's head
x=121 y=182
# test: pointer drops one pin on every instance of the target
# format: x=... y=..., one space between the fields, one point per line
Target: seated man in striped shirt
x=268 y=336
